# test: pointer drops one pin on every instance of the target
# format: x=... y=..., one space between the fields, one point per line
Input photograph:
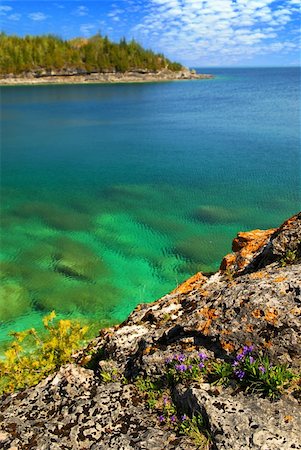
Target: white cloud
x=5 y=9
x=14 y=17
x=115 y=14
x=214 y=28
x=87 y=29
x=37 y=16
x=81 y=11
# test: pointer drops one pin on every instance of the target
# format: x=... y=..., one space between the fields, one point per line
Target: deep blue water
x=113 y=194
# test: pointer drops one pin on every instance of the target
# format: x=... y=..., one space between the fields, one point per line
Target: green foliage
x=254 y=373
x=31 y=357
x=291 y=257
x=152 y=390
x=175 y=67
x=264 y=378
x=195 y=428
x=97 y=54
x=248 y=371
x=109 y=376
x=158 y=398
x=221 y=373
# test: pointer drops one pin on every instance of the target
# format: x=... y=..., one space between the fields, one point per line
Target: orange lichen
x=228 y=261
x=251 y=240
x=271 y=316
x=258 y=275
x=147 y=350
x=226 y=332
x=244 y=246
x=194 y=282
x=279 y=279
x=227 y=346
x=249 y=328
x=257 y=313
x=288 y=418
x=209 y=314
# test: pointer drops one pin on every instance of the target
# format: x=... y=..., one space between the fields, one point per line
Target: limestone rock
x=73 y=410
x=244 y=422
x=257 y=302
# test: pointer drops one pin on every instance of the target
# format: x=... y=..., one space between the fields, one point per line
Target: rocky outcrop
x=75 y=77
x=72 y=410
x=254 y=299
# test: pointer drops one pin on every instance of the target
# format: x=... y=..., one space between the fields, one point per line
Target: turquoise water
x=114 y=194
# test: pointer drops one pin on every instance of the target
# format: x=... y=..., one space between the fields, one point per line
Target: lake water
x=114 y=194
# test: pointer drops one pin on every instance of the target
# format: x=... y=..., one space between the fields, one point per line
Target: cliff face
x=253 y=300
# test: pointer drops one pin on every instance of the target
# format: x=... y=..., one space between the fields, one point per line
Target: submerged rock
x=54 y=216
x=201 y=249
x=74 y=259
x=215 y=214
x=254 y=300
x=97 y=298
x=15 y=301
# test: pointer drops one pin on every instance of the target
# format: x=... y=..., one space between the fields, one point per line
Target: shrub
x=31 y=357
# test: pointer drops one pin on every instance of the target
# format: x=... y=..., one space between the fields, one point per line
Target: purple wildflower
x=201 y=365
x=235 y=364
x=161 y=418
x=240 y=357
x=240 y=374
x=247 y=349
x=181 y=367
x=165 y=401
x=173 y=418
x=183 y=418
x=251 y=359
x=180 y=358
x=168 y=360
x=202 y=356
x=190 y=367
x=262 y=369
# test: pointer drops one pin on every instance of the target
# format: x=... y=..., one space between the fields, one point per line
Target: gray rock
x=239 y=422
x=73 y=410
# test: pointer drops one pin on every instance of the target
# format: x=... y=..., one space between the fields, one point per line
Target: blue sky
x=195 y=32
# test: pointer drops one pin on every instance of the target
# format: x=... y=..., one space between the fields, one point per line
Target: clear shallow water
x=114 y=194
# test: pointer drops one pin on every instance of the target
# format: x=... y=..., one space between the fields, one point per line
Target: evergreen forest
x=96 y=54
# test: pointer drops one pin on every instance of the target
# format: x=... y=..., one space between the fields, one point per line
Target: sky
x=196 y=33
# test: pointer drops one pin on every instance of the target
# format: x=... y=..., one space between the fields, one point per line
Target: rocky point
x=253 y=301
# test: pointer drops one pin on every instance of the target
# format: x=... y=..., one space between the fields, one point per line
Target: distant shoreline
x=101 y=78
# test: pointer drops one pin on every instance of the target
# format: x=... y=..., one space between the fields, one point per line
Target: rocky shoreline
x=74 y=77
x=103 y=399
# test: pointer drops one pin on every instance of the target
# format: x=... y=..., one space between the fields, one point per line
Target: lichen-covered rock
x=244 y=246
x=257 y=301
x=240 y=422
x=73 y=410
